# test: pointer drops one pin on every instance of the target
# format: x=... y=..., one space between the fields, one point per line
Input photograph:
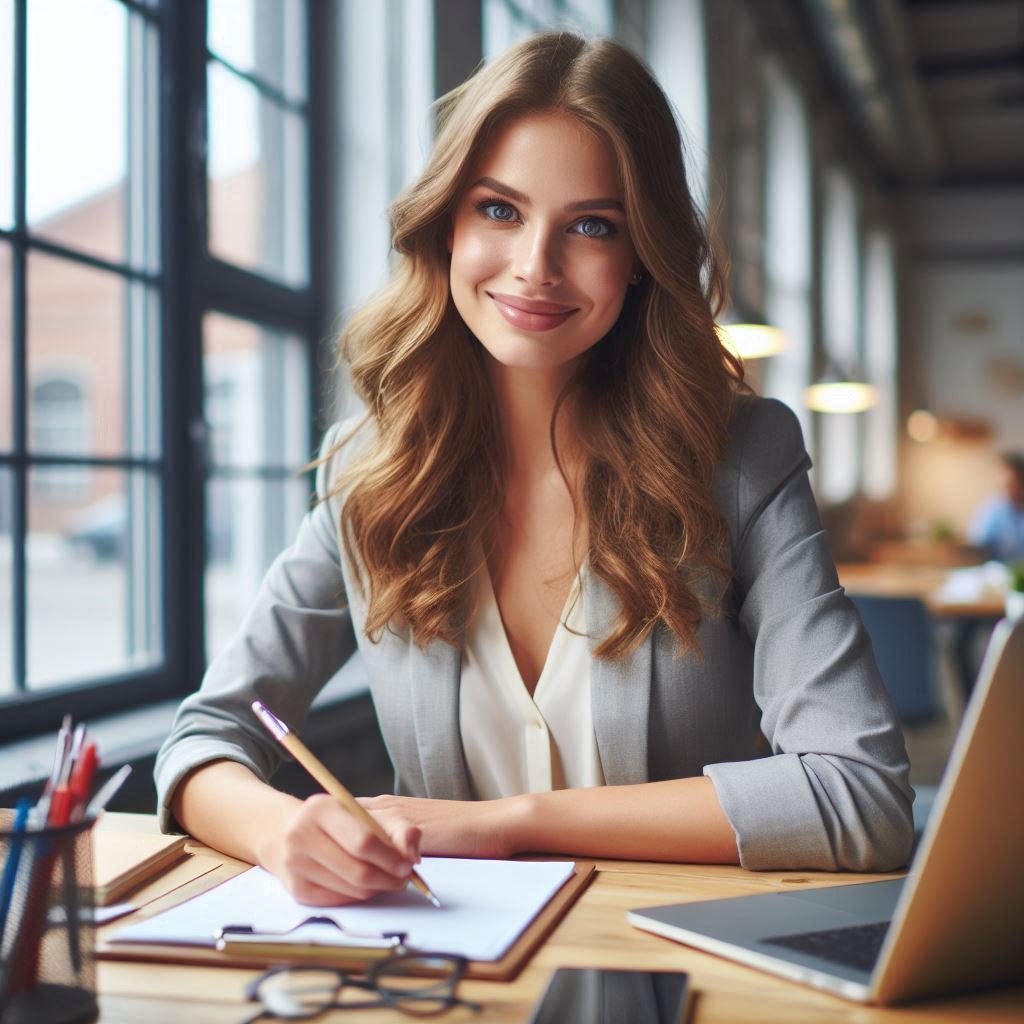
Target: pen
x=319 y=771
x=81 y=780
x=11 y=865
x=106 y=792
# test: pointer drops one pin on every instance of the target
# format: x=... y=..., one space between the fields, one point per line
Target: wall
x=967 y=319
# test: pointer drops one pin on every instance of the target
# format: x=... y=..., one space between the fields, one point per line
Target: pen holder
x=47 y=929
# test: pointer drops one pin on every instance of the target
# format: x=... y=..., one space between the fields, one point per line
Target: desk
x=924 y=582
x=593 y=934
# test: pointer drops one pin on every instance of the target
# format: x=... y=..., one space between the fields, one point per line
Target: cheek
x=608 y=283
x=475 y=257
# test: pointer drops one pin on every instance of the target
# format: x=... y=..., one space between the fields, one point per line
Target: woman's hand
x=453 y=828
x=325 y=857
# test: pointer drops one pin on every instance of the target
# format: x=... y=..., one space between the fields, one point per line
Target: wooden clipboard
x=504 y=969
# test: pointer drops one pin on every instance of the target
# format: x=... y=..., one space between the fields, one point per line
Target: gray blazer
x=789 y=659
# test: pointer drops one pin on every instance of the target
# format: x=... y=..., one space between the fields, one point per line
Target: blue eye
x=594 y=227
x=495 y=210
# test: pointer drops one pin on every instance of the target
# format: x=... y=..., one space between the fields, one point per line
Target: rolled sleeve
x=835 y=793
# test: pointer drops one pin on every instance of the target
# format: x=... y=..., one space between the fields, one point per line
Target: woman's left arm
x=616 y=822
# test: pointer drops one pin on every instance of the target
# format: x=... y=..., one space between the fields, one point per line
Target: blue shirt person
x=998 y=525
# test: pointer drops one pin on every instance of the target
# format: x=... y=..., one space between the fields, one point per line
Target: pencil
x=320 y=772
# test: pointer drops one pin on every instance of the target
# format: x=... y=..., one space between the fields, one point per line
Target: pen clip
x=232 y=931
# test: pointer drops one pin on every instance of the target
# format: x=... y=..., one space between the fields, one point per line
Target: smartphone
x=586 y=995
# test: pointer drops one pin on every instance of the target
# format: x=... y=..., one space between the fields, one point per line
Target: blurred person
x=998 y=525
x=581 y=561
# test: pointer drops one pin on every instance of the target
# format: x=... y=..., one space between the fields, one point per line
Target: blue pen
x=11 y=866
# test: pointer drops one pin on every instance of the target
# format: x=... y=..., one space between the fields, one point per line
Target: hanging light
x=840 y=390
x=752 y=341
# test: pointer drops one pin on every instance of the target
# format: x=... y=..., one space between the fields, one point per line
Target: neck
x=526 y=402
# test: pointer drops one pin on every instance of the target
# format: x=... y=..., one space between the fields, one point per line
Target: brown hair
x=654 y=396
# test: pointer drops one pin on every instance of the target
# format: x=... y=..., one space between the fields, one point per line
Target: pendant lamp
x=840 y=389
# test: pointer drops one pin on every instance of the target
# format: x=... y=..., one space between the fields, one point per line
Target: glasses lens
x=418 y=976
x=296 y=994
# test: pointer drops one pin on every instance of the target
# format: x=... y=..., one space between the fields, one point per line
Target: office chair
x=901 y=634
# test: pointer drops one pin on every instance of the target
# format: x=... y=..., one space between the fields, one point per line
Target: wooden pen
x=320 y=772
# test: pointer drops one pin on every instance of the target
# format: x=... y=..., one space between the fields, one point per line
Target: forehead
x=553 y=154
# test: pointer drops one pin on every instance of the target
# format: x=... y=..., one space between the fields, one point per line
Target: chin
x=527 y=355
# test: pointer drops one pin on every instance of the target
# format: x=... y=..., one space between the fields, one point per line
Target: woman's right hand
x=325 y=857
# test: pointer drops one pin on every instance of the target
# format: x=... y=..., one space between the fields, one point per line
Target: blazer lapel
x=620 y=693
x=434 y=674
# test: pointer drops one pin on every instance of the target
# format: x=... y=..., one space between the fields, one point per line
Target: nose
x=536 y=257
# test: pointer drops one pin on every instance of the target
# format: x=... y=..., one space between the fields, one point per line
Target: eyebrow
x=584 y=204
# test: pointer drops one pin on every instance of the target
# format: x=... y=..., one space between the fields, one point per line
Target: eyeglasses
x=417 y=984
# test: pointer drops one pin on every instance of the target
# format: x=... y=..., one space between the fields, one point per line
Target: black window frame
x=192 y=283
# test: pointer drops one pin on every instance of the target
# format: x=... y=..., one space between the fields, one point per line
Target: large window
x=82 y=455
x=677 y=51
x=841 y=289
x=508 y=21
x=789 y=239
x=880 y=361
x=161 y=303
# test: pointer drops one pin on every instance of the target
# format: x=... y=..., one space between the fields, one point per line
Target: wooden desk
x=593 y=934
x=883 y=579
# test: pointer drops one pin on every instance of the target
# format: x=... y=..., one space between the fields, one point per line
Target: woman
x=584 y=567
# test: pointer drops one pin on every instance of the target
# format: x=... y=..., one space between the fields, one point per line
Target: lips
x=530 y=314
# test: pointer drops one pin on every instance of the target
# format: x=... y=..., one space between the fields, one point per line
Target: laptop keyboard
x=855 y=946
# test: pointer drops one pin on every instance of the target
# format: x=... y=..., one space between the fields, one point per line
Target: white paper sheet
x=485 y=905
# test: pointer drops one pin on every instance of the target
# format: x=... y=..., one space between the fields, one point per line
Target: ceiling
x=938 y=85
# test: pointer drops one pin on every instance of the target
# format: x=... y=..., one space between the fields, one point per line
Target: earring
x=636 y=277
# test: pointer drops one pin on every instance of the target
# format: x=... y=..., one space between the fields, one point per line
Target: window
x=508 y=21
x=788 y=240
x=840 y=433
x=676 y=50
x=81 y=457
x=385 y=132
x=880 y=351
x=257 y=398
x=59 y=423
x=162 y=198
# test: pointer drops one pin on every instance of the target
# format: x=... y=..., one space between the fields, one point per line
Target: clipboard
x=341 y=957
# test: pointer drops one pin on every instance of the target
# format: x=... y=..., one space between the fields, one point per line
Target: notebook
x=953 y=924
x=123 y=861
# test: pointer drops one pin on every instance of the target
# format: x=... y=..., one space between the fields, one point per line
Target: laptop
x=956 y=922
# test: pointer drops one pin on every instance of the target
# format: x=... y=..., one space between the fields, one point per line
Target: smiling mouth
x=530 y=315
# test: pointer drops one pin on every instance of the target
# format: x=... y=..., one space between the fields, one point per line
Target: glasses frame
x=438 y=986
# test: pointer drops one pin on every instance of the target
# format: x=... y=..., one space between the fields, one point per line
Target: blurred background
x=193 y=197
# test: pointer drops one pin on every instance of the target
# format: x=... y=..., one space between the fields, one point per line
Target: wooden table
x=593 y=934
x=925 y=582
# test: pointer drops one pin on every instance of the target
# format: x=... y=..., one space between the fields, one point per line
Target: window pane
x=840 y=432
x=265 y=38
x=6 y=365
x=257 y=192
x=6 y=584
x=257 y=406
x=880 y=355
x=92 y=84
x=248 y=523
x=6 y=114
x=92 y=574
x=92 y=361
x=255 y=382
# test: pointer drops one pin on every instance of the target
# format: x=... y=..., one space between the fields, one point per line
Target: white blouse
x=515 y=743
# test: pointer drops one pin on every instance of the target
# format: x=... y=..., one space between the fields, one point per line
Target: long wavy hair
x=652 y=398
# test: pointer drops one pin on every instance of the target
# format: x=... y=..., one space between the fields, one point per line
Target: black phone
x=588 y=995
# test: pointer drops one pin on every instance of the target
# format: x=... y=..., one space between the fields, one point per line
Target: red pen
x=81 y=781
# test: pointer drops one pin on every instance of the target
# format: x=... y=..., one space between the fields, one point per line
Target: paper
x=485 y=906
